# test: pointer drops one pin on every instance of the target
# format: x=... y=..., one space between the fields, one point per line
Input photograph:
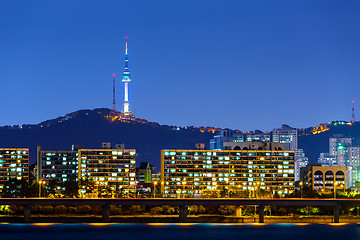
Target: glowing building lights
x=273 y=170
x=126 y=79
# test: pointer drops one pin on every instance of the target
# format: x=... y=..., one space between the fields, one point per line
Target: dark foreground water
x=179 y=231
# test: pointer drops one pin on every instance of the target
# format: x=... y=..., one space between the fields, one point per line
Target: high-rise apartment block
x=300 y=161
x=60 y=166
x=228 y=135
x=339 y=147
x=343 y=153
x=258 y=136
x=286 y=135
x=225 y=135
x=101 y=167
x=14 y=164
x=108 y=167
x=197 y=173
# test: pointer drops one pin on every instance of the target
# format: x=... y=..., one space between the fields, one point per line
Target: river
x=179 y=231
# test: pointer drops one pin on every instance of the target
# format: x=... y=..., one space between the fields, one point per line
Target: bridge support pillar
x=183 y=213
x=337 y=213
x=27 y=213
x=261 y=213
x=106 y=213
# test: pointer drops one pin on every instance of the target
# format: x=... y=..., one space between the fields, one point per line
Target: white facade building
x=286 y=135
x=326 y=159
x=300 y=161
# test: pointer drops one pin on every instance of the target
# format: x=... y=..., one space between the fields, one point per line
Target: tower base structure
x=127 y=116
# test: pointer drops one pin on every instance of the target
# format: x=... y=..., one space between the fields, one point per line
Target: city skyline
x=247 y=60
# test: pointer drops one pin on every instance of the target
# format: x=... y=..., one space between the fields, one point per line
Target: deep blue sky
x=238 y=64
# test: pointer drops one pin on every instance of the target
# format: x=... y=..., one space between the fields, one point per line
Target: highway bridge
x=182 y=203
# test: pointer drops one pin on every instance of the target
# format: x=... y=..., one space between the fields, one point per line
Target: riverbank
x=66 y=218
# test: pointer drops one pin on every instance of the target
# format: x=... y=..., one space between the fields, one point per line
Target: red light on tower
x=125 y=37
x=113 y=75
x=352 y=101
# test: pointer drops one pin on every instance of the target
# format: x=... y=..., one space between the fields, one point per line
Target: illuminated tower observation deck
x=126 y=79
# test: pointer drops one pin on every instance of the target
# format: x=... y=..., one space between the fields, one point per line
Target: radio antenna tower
x=114 y=103
x=353 y=113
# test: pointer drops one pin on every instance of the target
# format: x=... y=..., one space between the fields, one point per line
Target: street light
x=40 y=186
x=98 y=183
x=155 y=188
x=301 y=184
x=335 y=183
x=162 y=188
x=228 y=188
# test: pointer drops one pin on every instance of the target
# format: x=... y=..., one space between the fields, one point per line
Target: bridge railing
x=182 y=203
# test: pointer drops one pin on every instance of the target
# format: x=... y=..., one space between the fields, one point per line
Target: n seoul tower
x=126 y=79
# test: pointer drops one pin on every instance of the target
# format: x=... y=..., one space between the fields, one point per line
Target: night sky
x=238 y=64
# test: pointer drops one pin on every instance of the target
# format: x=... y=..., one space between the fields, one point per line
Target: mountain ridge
x=88 y=128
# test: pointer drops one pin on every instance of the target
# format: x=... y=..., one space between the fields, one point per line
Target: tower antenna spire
x=353 y=112
x=114 y=103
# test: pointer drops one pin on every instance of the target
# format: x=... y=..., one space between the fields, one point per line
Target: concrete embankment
x=175 y=219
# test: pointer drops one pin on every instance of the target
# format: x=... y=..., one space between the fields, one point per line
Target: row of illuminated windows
x=240 y=164
x=224 y=180
x=59 y=171
x=16 y=169
x=220 y=170
x=64 y=179
x=231 y=162
x=14 y=165
x=217 y=159
x=108 y=161
x=211 y=160
x=69 y=167
x=235 y=173
x=24 y=161
x=103 y=178
x=60 y=159
x=231 y=175
x=90 y=153
x=13 y=174
x=13 y=157
x=237 y=185
x=276 y=177
x=279 y=169
x=227 y=153
x=237 y=166
x=57 y=154
x=232 y=180
x=62 y=163
x=217 y=174
x=2 y=152
x=98 y=166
